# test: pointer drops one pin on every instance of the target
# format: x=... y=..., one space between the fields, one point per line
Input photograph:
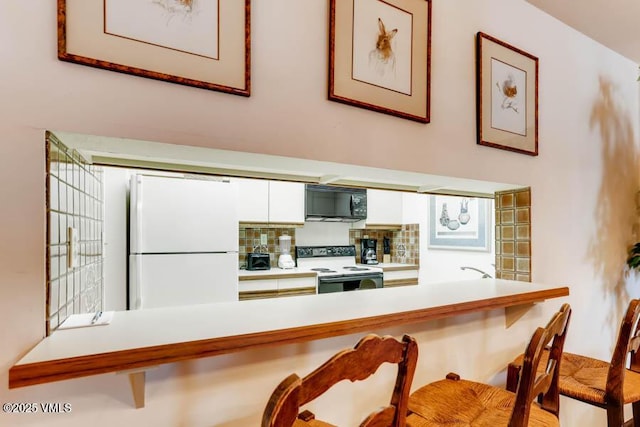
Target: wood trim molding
x=22 y=375
x=290 y=292
x=250 y=224
x=400 y=267
x=400 y=282
x=249 y=295
x=267 y=276
x=390 y=227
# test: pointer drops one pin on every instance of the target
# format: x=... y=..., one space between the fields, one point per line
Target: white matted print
x=379 y=56
x=189 y=26
x=508 y=98
x=461 y=223
x=382 y=36
x=200 y=43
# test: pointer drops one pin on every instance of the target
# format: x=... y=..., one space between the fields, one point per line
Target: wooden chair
x=608 y=385
x=283 y=408
x=457 y=402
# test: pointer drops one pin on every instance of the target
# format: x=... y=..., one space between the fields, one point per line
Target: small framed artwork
x=507 y=96
x=459 y=223
x=379 y=56
x=201 y=43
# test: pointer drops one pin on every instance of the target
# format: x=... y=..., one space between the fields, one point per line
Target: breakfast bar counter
x=140 y=339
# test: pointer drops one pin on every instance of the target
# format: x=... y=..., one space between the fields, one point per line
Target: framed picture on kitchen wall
x=379 y=56
x=459 y=223
x=201 y=43
x=507 y=96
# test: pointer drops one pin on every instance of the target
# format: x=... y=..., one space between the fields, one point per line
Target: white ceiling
x=614 y=23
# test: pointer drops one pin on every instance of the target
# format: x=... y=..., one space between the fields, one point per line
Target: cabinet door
x=253 y=200
x=384 y=207
x=286 y=202
x=297 y=286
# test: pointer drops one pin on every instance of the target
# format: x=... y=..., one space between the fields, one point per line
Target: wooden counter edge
x=401 y=267
x=267 y=276
x=75 y=367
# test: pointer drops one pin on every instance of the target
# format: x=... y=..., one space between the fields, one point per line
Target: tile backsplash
x=74 y=259
x=513 y=234
x=405 y=243
x=250 y=241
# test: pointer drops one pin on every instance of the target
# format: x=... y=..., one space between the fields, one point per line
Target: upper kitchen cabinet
x=384 y=207
x=253 y=200
x=263 y=201
x=286 y=202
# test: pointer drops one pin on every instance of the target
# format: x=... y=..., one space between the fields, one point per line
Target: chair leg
x=513 y=376
x=636 y=414
x=615 y=416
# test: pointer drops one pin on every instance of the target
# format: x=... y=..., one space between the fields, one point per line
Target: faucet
x=484 y=274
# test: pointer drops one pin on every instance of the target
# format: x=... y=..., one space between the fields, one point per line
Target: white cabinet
x=253 y=200
x=297 y=286
x=384 y=207
x=263 y=201
x=278 y=286
x=257 y=289
x=286 y=202
x=400 y=277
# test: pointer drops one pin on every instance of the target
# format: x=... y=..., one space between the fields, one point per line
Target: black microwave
x=335 y=204
x=258 y=261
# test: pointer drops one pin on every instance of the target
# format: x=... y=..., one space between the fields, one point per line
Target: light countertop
x=141 y=338
x=275 y=273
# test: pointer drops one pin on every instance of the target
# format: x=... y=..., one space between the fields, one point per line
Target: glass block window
x=74 y=234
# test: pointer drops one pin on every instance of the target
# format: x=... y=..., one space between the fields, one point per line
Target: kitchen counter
x=140 y=339
x=275 y=273
x=396 y=266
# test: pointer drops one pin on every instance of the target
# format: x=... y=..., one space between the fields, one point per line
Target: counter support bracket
x=137 y=380
x=513 y=313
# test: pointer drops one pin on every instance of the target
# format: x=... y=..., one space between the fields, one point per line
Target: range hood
x=335 y=204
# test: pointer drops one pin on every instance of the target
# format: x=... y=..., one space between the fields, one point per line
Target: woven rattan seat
x=608 y=385
x=358 y=363
x=460 y=403
x=584 y=378
x=467 y=403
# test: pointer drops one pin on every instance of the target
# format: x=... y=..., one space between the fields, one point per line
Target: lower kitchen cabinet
x=297 y=286
x=400 y=277
x=254 y=288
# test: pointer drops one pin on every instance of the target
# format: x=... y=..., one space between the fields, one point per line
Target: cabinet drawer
x=400 y=274
x=258 y=285
x=297 y=282
x=400 y=278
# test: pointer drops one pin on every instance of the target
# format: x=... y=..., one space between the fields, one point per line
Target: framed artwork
x=507 y=96
x=201 y=43
x=379 y=56
x=460 y=223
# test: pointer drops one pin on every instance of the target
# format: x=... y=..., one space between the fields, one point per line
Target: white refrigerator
x=183 y=245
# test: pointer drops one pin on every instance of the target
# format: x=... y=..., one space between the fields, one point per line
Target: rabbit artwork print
x=383 y=58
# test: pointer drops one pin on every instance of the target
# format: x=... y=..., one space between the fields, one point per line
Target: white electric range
x=337 y=269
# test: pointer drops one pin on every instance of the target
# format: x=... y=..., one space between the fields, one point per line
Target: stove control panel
x=325 y=251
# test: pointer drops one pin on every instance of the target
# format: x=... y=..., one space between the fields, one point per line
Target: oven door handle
x=349 y=278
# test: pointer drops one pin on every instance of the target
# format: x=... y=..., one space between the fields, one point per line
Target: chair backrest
x=355 y=365
x=544 y=386
x=628 y=342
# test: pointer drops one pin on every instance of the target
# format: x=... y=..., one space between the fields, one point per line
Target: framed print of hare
x=201 y=43
x=507 y=96
x=379 y=56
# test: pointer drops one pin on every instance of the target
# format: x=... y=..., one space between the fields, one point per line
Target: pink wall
x=575 y=218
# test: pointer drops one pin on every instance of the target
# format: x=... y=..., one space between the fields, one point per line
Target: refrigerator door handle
x=136 y=225
x=135 y=283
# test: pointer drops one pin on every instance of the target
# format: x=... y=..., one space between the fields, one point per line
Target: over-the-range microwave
x=335 y=204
